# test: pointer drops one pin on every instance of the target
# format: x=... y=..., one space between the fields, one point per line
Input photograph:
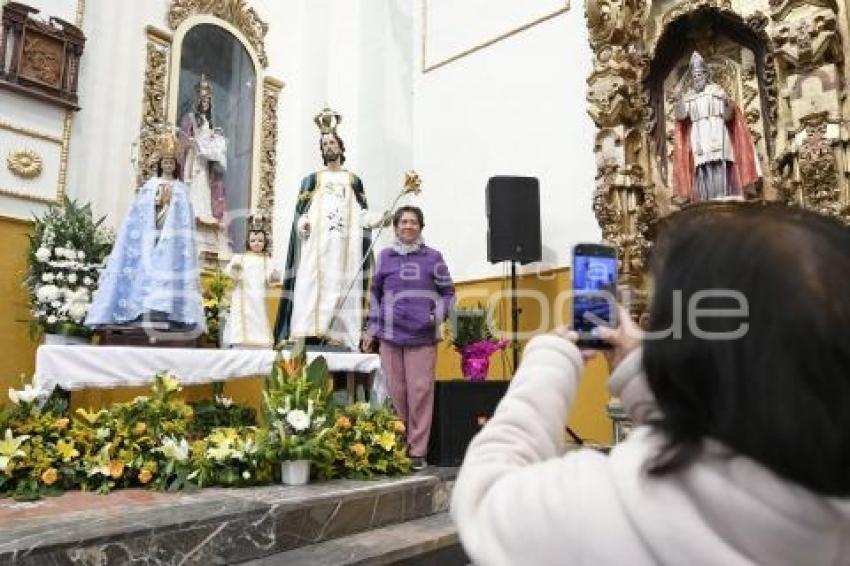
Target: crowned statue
x=714 y=155
x=247 y=324
x=152 y=273
x=203 y=156
x=327 y=260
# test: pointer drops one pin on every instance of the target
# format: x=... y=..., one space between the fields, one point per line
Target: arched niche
x=204 y=45
x=739 y=61
x=235 y=55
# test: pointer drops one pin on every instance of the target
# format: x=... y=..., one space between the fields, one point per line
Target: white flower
x=46 y=277
x=72 y=278
x=81 y=255
x=52 y=319
x=103 y=433
x=42 y=254
x=298 y=420
x=87 y=281
x=246 y=474
x=58 y=252
x=60 y=276
x=78 y=311
x=55 y=304
x=225 y=402
x=28 y=394
x=173 y=450
x=47 y=293
x=10 y=447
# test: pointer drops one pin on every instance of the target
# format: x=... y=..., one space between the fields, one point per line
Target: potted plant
x=67 y=250
x=296 y=403
x=470 y=330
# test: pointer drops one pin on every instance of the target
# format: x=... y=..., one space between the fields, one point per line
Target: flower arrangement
x=296 y=403
x=368 y=442
x=148 y=441
x=470 y=330
x=67 y=248
x=216 y=303
x=232 y=457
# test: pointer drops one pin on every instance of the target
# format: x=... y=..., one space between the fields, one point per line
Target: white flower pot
x=64 y=340
x=295 y=472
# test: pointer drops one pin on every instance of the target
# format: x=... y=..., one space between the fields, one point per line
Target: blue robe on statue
x=149 y=272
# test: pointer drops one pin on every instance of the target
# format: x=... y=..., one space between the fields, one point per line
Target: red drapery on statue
x=744 y=168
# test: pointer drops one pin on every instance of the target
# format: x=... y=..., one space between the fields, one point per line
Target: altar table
x=104 y=367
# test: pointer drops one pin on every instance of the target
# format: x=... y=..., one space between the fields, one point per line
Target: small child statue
x=247 y=324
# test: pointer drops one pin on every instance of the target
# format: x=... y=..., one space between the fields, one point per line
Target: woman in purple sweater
x=412 y=292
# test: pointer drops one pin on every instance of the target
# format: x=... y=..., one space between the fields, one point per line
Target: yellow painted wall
x=543 y=306
x=17 y=351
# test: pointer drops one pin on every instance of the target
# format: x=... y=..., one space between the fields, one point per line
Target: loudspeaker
x=461 y=408
x=513 y=219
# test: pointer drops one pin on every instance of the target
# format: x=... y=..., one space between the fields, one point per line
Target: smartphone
x=594 y=292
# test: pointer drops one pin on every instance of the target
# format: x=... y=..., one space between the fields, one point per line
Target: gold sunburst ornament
x=25 y=163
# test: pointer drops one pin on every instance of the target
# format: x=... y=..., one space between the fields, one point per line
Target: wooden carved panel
x=40 y=58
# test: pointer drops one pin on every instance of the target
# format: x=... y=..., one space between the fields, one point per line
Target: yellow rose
x=116 y=469
x=359 y=450
x=140 y=428
x=398 y=426
x=50 y=476
x=343 y=423
x=61 y=424
x=145 y=476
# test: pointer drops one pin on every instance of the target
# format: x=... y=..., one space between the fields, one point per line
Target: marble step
x=431 y=540
x=211 y=526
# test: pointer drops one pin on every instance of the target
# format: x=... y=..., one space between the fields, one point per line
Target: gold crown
x=203 y=88
x=166 y=145
x=327 y=120
x=258 y=223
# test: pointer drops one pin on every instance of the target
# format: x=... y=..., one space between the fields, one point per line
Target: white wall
x=515 y=107
x=355 y=56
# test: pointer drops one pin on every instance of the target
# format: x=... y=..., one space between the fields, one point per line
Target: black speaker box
x=513 y=219
x=461 y=408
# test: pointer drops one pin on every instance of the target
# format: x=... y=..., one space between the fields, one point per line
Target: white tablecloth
x=103 y=367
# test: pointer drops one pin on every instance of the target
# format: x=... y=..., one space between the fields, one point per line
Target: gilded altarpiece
x=163 y=102
x=780 y=61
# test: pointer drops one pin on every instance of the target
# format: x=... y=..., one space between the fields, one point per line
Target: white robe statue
x=247 y=324
x=328 y=294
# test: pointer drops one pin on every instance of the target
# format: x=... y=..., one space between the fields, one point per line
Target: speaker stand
x=514 y=317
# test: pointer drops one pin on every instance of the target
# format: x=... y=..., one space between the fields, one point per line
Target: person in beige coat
x=741 y=449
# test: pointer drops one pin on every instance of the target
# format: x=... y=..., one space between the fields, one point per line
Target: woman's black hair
x=415 y=210
x=779 y=392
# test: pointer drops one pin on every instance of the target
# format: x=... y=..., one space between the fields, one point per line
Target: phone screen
x=594 y=291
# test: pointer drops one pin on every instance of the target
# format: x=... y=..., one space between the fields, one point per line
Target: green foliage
x=217 y=413
x=216 y=303
x=469 y=325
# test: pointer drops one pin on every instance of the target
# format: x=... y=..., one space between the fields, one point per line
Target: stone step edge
x=244 y=503
x=385 y=545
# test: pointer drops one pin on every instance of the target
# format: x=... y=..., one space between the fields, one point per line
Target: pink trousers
x=410 y=377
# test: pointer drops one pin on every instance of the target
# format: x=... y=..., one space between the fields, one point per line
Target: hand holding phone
x=594 y=275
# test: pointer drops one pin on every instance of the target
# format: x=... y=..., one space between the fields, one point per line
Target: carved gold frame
x=426 y=68
x=160 y=93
